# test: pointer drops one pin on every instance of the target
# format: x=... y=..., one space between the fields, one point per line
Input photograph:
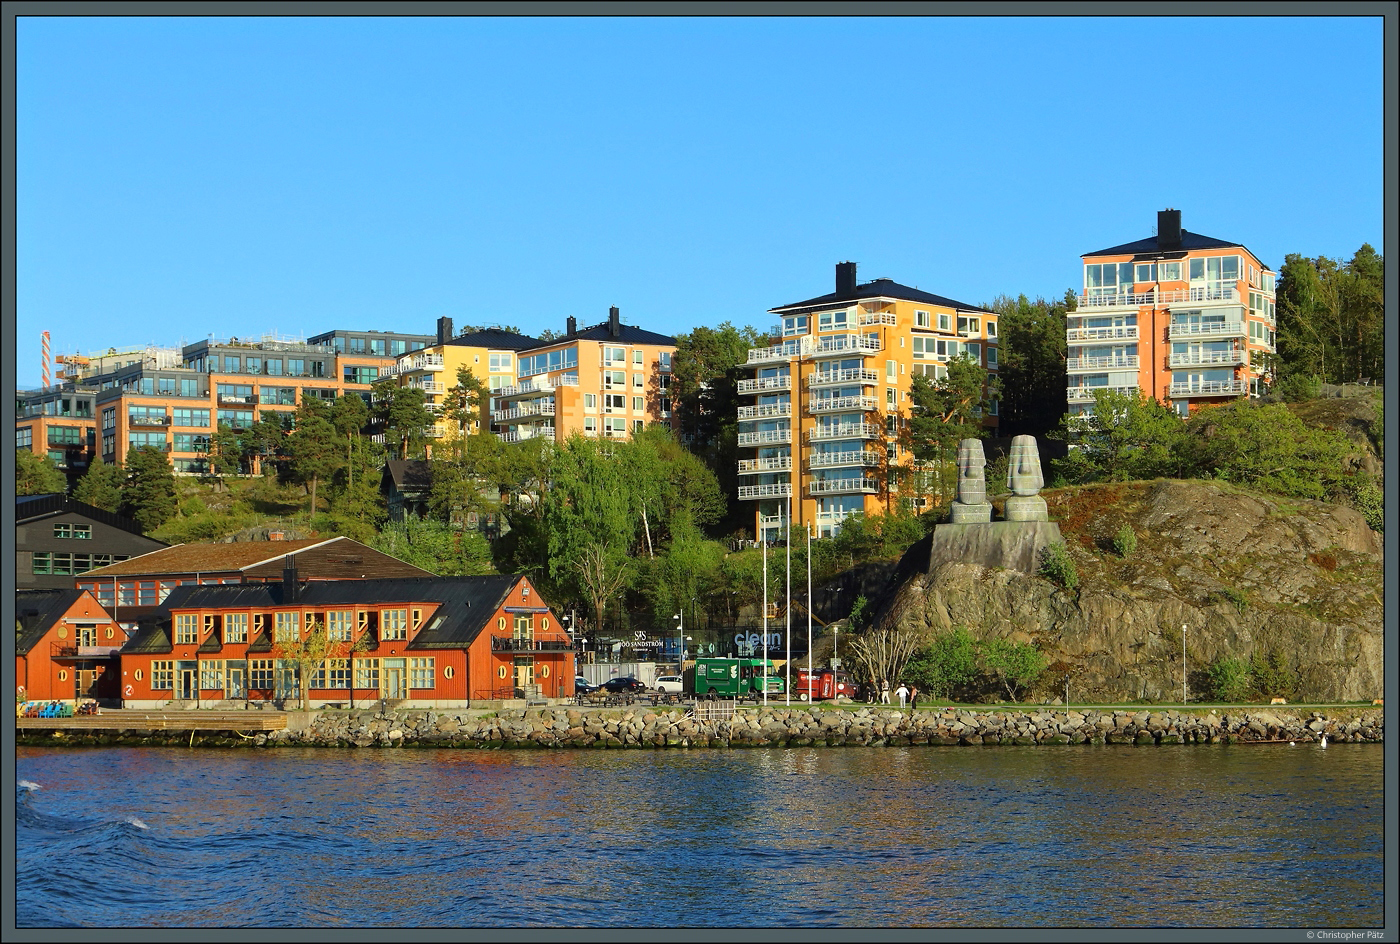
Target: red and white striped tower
x=44 y=346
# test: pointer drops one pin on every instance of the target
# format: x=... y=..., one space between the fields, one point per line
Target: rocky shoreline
x=650 y=727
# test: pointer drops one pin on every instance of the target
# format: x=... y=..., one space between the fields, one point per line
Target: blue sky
x=181 y=177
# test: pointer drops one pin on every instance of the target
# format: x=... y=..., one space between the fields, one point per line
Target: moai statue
x=971 y=506
x=1024 y=478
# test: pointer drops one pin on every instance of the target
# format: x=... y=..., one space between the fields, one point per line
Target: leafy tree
x=1231 y=680
x=400 y=412
x=310 y=650
x=1272 y=676
x=946 y=664
x=37 y=475
x=149 y=493
x=1032 y=364
x=101 y=486
x=1014 y=665
x=1330 y=316
x=462 y=406
x=350 y=416
x=312 y=446
x=944 y=411
x=1127 y=436
x=436 y=547
x=1267 y=446
x=226 y=452
x=883 y=653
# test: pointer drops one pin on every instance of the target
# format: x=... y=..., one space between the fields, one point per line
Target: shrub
x=1231 y=680
x=1272 y=676
x=1125 y=541
x=1057 y=565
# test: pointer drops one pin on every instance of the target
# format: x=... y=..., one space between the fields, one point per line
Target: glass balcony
x=851 y=486
x=836 y=378
x=1086 y=394
x=766 y=437
x=1207 y=329
x=849 y=431
x=840 y=404
x=766 y=411
x=837 y=460
x=1081 y=364
x=764 y=384
x=774 y=490
x=759 y=466
x=1211 y=388
x=1207 y=358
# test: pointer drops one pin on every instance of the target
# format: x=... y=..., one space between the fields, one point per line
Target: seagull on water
x=1323 y=742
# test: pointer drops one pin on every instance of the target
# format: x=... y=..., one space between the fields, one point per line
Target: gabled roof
x=31 y=507
x=150 y=638
x=496 y=339
x=467 y=602
x=209 y=558
x=880 y=288
x=1189 y=241
x=626 y=334
x=37 y=611
x=410 y=475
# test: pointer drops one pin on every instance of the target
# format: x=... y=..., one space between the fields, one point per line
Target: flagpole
x=787 y=665
x=763 y=539
x=807 y=526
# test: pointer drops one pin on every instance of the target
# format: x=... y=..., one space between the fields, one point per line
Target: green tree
x=1014 y=665
x=350 y=416
x=1127 y=436
x=946 y=664
x=101 y=486
x=462 y=406
x=1330 y=316
x=400 y=412
x=1267 y=446
x=312 y=446
x=1231 y=680
x=226 y=453
x=149 y=493
x=37 y=475
x=310 y=650
x=943 y=412
x=1032 y=364
x=436 y=547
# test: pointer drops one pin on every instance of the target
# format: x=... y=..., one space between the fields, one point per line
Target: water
x=1244 y=836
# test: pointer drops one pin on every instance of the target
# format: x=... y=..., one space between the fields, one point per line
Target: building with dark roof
x=432 y=642
x=1187 y=319
x=608 y=380
x=819 y=430
x=57 y=538
x=67 y=647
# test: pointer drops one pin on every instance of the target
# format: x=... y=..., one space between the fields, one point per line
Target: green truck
x=733 y=678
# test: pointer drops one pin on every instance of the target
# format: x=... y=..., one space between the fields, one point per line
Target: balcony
x=59 y=652
x=434 y=432
x=1086 y=394
x=539 y=387
x=860 y=486
x=763 y=384
x=845 y=343
x=526 y=412
x=849 y=431
x=1112 y=333
x=136 y=419
x=418 y=362
x=840 y=404
x=766 y=411
x=1211 y=388
x=518 y=644
x=759 y=466
x=428 y=386
x=1207 y=329
x=774 y=490
x=766 y=437
x=237 y=400
x=776 y=352
x=529 y=432
x=836 y=378
x=838 y=460
x=1214 y=292
x=878 y=318
x=1081 y=364
x=1207 y=358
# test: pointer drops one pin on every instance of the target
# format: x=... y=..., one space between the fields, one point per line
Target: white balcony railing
x=1086 y=394
x=523 y=412
x=1214 y=292
x=878 y=318
x=771 y=464
x=1207 y=329
x=1113 y=333
x=835 y=378
x=409 y=365
x=776 y=352
x=766 y=437
x=840 y=404
x=763 y=384
x=1080 y=364
x=842 y=343
x=537 y=387
x=520 y=435
x=840 y=460
x=429 y=386
x=1210 y=388
x=843 y=486
x=765 y=411
x=1207 y=358
x=773 y=490
x=849 y=431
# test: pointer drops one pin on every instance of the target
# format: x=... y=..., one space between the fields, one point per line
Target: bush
x=1231 y=680
x=1057 y=565
x=1272 y=676
x=1125 y=541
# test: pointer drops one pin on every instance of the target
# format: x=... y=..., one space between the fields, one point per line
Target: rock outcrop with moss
x=1295 y=584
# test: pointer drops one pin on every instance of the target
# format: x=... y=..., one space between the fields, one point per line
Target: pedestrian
x=903 y=694
x=913 y=697
x=884 y=691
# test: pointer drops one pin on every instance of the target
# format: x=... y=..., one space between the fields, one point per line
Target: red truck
x=822 y=685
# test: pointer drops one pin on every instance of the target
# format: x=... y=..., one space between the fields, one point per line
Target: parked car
x=670 y=684
x=623 y=683
x=582 y=685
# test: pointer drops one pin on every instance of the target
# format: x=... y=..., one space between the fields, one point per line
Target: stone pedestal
x=1026 y=508
x=1014 y=545
x=971 y=514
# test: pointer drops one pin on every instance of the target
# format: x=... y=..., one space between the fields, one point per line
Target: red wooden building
x=67 y=647
x=434 y=642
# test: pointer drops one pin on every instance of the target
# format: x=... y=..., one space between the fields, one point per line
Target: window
x=832 y=321
x=991 y=329
x=198 y=419
x=636 y=381
x=278 y=396
x=260 y=675
x=664 y=361
x=890 y=371
x=420 y=673
x=236 y=627
x=154 y=440
x=614 y=355
x=361 y=375
x=614 y=379
x=211 y=674
x=273 y=366
x=191 y=442
x=24 y=437
x=162 y=675
x=80 y=531
x=637 y=426
x=186 y=628
x=614 y=403
x=637 y=357
x=889 y=397
x=614 y=427
x=991 y=358
x=394 y=624
x=590 y=425
x=146 y=415
x=945 y=321
x=969 y=327
x=296 y=366
x=254 y=365
x=236 y=419
x=590 y=401
x=524 y=626
x=367 y=673
x=1169 y=271
x=287 y=627
x=1145 y=272
x=922 y=320
x=109 y=418
x=340 y=625
x=638 y=404
x=1215 y=269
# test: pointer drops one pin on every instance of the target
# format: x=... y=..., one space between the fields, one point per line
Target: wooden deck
x=193 y=720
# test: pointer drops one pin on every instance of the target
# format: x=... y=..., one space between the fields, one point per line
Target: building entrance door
x=395 y=682
x=186 y=681
x=524 y=675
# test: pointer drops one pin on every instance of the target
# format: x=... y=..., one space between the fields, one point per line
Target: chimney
x=1169 y=229
x=289 y=580
x=444 y=330
x=614 y=322
x=845 y=276
x=572 y=325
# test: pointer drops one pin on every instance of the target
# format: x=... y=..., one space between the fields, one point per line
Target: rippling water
x=1258 y=836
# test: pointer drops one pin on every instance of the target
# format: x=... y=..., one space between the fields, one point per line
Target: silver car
x=670 y=684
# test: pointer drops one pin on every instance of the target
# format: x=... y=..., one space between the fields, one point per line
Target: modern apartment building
x=1185 y=318
x=490 y=354
x=609 y=380
x=58 y=421
x=821 y=432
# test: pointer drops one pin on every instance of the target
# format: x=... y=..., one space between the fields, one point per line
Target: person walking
x=913 y=697
x=903 y=694
x=884 y=691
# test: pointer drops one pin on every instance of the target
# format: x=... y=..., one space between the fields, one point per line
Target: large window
x=1108 y=278
x=80 y=531
x=278 y=396
x=1215 y=269
x=832 y=321
x=198 y=419
x=394 y=624
x=367 y=673
x=65 y=435
x=186 y=628
x=340 y=625
x=24 y=437
x=287 y=627
x=154 y=440
x=162 y=675
x=260 y=674
x=361 y=375
x=236 y=627
x=1169 y=271
x=795 y=324
x=191 y=442
x=420 y=673
x=614 y=355
x=922 y=319
x=236 y=419
x=500 y=361
x=211 y=674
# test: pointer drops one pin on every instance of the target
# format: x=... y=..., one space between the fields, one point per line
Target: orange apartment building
x=829 y=394
x=1185 y=318
x=609 y=380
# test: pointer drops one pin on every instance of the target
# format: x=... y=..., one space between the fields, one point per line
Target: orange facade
x=71 y=654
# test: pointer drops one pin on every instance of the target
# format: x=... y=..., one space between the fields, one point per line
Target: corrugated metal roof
x=880 y=288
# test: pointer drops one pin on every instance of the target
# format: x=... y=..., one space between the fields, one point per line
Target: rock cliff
x=1246 y=574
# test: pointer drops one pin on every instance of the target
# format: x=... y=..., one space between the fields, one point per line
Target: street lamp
x=680 y=640
x=1183 y=665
